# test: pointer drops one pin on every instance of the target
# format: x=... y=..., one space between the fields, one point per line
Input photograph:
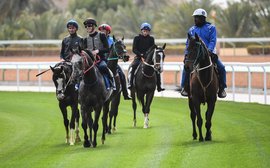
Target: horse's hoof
x=71 y=144
x=94 y=144
x=114 y=129
x=208 y=138
x=86 y=144
x=102 y=141
x=78 y=139
x=201 y=139
x=194 y=138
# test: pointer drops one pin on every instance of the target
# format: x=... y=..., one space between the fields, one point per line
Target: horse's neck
x=90 y=75
x=205 y=74
x=112 y=62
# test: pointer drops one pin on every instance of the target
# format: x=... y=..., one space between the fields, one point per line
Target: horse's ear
x=197 y=37
x=52 y=68
x=123 y=38
x=114 y=39
x=164 y=46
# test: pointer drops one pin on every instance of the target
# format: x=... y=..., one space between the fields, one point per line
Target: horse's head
x=81 y=63
x=155 y=56
x=118 y=50
x=61 y=78
x=197 y=51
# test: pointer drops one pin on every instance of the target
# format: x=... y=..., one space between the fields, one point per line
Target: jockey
x=207 y=32
x=141 y=43
x=96 y=42
x=72 y=41
x=106 y=29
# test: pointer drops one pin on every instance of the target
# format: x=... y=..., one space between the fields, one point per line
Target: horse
x=67 y=96
x=203 y=85
x=93 y=93
x=117 y=51
x=145 y=81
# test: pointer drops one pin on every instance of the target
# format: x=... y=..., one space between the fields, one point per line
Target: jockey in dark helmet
x=207 y=32
x=107 y=29
x=96 y=42
x=141 y=43
x=72 y=41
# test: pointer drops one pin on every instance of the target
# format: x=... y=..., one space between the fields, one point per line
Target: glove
x=214 y=57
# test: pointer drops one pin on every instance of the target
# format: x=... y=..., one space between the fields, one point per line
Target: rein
x=87 y=63
x=196 y=69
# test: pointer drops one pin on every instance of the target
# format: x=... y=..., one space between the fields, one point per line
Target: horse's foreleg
x=95 y=126
x=72 y=125
x=199 y=120
x=208 y=123
x=134 y=106
x=114 y=110
x=78 y=139
x=86 y=143
x=149 y=99
x=193 y=119
x=66 y=121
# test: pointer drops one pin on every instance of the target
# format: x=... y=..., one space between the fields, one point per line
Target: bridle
x=65 y=84
x=155 y=63
x=117 y=54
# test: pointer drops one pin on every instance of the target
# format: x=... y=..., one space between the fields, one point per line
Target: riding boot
x=159 y=88
x=184 y=82
x=130 y=78
x=124 y=85
x=111 y=79
x=221 y=92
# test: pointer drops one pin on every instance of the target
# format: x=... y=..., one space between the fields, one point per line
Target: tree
x=236 y=20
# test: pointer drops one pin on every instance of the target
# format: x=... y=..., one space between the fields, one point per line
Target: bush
x=258 y=49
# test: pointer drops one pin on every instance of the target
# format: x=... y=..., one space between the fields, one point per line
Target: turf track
x=32 y=135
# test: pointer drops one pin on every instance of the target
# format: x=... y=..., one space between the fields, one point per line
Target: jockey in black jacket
x=141 y=43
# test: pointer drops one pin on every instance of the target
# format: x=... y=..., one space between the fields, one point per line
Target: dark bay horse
x=92 y=94
x=145 y=81
x=203 y=85
x=117 y=51
x=67 y=96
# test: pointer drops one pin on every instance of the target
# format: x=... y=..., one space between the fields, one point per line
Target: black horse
x=203 y=85
x=67 y=96
x=145 y=81
x=117 y=51
x=92 y=94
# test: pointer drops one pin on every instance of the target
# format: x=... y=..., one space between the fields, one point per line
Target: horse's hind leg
x=66 y=121
x=114 y=111
x=193 y=119
x=208 y=123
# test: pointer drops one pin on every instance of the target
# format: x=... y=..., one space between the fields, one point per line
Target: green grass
x=32 y=135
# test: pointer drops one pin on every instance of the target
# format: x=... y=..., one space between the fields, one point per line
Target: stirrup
x=184 y=93
x=222 y=93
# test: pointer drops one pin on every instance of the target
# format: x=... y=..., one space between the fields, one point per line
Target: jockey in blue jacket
x=207 y=32
x=106 y=29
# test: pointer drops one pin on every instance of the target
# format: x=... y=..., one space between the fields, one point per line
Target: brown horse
x=203 y=85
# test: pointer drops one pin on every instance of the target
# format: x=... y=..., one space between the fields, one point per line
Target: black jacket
x=141 y=44
x=69 y=42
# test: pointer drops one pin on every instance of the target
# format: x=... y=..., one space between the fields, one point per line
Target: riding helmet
x=106 y=27
x=200 y=12
x=73 y=23
x=90 y=21
x=146 y=26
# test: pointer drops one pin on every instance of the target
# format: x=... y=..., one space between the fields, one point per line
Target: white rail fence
x=231 y=67
x=231 y=41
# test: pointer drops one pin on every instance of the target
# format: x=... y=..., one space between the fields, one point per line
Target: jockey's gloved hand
x=214 y=57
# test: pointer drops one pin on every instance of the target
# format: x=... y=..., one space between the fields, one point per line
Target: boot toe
x=222 y=94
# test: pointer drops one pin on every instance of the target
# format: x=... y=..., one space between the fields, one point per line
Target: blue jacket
x=110 y=41
x=207 y=33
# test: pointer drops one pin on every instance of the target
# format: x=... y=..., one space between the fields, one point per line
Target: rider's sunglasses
x=89 y=25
